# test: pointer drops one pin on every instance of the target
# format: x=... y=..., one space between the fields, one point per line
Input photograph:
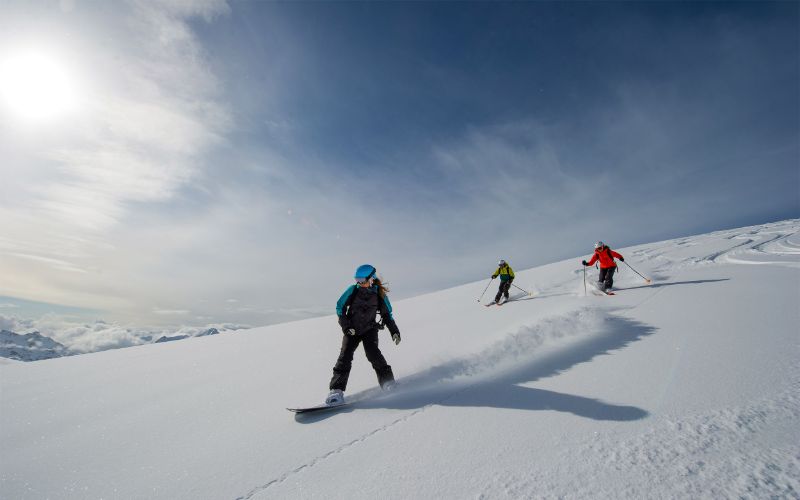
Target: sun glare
x=35 y=87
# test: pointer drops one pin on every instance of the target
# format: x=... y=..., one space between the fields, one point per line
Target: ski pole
x=637 y=272
x=584 y=280
x=529 y=293
x=484 y=290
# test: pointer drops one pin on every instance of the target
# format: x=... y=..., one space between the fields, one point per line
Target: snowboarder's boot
x=335 y=397
x=385 y=376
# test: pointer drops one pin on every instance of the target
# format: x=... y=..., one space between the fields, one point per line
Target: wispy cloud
x=149 y=124
x=150 y=113
x=171 y=312
x=58 y=264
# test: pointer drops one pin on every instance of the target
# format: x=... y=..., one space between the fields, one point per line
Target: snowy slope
x=688 y=387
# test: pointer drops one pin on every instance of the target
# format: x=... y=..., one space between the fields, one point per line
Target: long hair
x=383 y=289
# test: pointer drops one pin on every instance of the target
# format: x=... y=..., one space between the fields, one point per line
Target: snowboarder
x=607 y=265
x=506 y=278
x=357 y=309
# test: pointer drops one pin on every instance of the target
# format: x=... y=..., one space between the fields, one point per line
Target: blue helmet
x=364 y=273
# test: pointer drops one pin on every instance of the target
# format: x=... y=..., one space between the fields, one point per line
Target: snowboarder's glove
x=396 y=338
x=350 y=331
x=584 y=263
x=622 y=259
x=494 y=276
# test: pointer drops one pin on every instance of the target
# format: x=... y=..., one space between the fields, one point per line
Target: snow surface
x=686 y=388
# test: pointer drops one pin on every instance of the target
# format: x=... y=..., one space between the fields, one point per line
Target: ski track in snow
x=766 y=245
x=779 y=250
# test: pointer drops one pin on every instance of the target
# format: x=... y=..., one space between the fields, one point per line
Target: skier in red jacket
x=606 y=257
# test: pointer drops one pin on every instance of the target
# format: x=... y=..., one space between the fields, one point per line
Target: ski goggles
x=364 y=279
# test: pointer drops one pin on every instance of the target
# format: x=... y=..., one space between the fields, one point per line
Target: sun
x=36 y=86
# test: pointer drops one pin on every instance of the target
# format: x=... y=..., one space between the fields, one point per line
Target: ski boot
x=335 y=397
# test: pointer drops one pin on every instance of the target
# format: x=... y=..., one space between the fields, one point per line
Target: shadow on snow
x=472 y=382
x=670 y=283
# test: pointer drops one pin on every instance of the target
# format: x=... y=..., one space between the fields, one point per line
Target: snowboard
x=318 y=408
x=388 y=388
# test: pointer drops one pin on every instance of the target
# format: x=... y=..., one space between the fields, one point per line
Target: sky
x=194 y=163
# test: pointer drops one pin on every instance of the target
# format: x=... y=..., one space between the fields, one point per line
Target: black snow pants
x=505 y=286
x=341 y=370
x=606 y=279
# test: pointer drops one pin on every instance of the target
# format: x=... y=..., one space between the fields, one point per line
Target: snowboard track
x=321 y=458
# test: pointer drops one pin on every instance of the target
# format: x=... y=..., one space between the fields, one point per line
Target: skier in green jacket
x=506 y=278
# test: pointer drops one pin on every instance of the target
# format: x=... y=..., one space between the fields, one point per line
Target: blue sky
x=236 y=161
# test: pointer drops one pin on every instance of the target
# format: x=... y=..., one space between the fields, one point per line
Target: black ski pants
x=606 y=279
x=341 y=370
x=505 y=286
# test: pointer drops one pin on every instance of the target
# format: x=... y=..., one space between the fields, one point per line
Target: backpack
x=347 y=310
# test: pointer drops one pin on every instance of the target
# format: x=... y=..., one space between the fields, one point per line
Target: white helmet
x=599 y=244
x=501 y=263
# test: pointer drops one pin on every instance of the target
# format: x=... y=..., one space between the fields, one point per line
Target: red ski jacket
x=606 y=257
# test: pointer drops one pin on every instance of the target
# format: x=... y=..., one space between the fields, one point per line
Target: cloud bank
x=85 y=337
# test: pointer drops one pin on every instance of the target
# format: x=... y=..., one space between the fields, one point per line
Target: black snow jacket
x=360 y=309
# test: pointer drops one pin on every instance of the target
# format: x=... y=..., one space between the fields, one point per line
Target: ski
x=597 y=288
x=318 y=408
x=498 y=304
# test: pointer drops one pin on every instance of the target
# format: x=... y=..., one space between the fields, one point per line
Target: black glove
x=493 y=276
x=584 y=263
x=349 y=331
x=396 y=338
x=622 y=259
x=510 y=281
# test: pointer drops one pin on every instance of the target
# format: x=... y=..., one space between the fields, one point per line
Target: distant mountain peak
x=30 y=346
x=204 y=333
